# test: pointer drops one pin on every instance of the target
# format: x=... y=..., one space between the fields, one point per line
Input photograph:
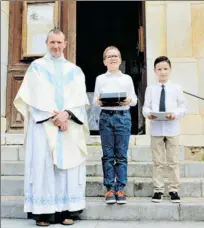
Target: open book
x=160 y=115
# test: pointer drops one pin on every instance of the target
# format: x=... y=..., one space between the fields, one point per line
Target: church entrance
x=90 y=26
x=108 y=23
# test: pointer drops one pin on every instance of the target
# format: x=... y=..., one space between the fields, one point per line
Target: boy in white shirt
x=165 y=97
x=114 y=125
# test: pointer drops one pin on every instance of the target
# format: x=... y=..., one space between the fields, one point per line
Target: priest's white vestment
x=55 y=171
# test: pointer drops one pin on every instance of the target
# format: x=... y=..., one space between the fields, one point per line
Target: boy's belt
x=111 y=112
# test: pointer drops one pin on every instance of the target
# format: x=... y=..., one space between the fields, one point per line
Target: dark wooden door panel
x=17 y=67
x=16 y=117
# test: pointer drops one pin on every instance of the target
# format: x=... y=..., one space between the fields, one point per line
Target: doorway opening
x=108 y=23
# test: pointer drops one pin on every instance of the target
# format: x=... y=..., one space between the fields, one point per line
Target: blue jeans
x=115 y=130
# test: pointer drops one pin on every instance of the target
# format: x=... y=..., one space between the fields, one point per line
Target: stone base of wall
x=3 y=125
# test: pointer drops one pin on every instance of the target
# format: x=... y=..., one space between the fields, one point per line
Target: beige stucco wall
x=175 y=29
x=4 y=59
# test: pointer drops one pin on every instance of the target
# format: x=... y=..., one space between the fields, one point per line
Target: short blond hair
x=110 y=48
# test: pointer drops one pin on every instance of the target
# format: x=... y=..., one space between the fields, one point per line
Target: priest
x=53 y=101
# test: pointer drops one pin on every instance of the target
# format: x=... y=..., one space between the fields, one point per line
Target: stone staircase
x=139 y=188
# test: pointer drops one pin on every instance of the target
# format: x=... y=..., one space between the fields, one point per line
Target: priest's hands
x=60 y=120
x=64 y=126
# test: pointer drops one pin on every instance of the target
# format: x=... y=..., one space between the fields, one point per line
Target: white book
x=160 y=115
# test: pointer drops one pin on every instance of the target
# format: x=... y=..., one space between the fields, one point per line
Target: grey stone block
x=12 y=209
x=95 y=153
x=129 y=154
x=12 y=186
x=12 y=168
x=143 y=187
x=21 y=153
x=143 y=140
x=135 y=209
x=182 y=170
x=182 y=153
x=132 y=141
x=96 y=140
x=191 y=187
x=129 y=189
x=141 y=153
x=132 y=211
x=99 y=170
x=94 y=187
x=9 y=153
x=144 y=169
x=188 y=187
x=194 y=169
x=202 y=188
x=139 y=187
x=93 y=168
x=192 y=211
x=144 y=153
x=14 y=139
x=140 y=169
x=3 y=139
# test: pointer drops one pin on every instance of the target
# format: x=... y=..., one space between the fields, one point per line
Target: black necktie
x=162 y=107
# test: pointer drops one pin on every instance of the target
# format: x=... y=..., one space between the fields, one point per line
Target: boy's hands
x=127 y=101
x=151 y=117
x=171 y=116
x=98 y=102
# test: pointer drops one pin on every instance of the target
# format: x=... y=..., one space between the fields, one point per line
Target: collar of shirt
x=60 y=58
x=165 y=84
x=118 y=73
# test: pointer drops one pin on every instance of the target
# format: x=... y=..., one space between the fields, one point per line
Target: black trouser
x=57 y=217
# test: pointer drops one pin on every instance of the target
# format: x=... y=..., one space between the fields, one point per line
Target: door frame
x=17 y=67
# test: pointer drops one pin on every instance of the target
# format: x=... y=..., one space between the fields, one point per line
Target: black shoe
x=120 y=197
x=174 y=197
x=110 y=197
x=157 y=197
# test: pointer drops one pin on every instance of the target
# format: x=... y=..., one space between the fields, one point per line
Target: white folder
x=160 y=115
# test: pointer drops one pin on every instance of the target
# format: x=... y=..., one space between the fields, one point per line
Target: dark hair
x=56 y=30
x=162 y=59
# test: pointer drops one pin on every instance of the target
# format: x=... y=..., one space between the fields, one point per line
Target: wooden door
x=143 y=81
x=17 y=67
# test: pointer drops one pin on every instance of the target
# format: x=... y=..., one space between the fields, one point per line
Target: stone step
x=135 y=153
x=193 y=140
x=14 y=138
x=135 y=209
x=135 y=169
x=138 y=187
x=187 y=140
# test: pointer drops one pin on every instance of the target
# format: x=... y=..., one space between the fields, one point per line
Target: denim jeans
x=115 y=132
